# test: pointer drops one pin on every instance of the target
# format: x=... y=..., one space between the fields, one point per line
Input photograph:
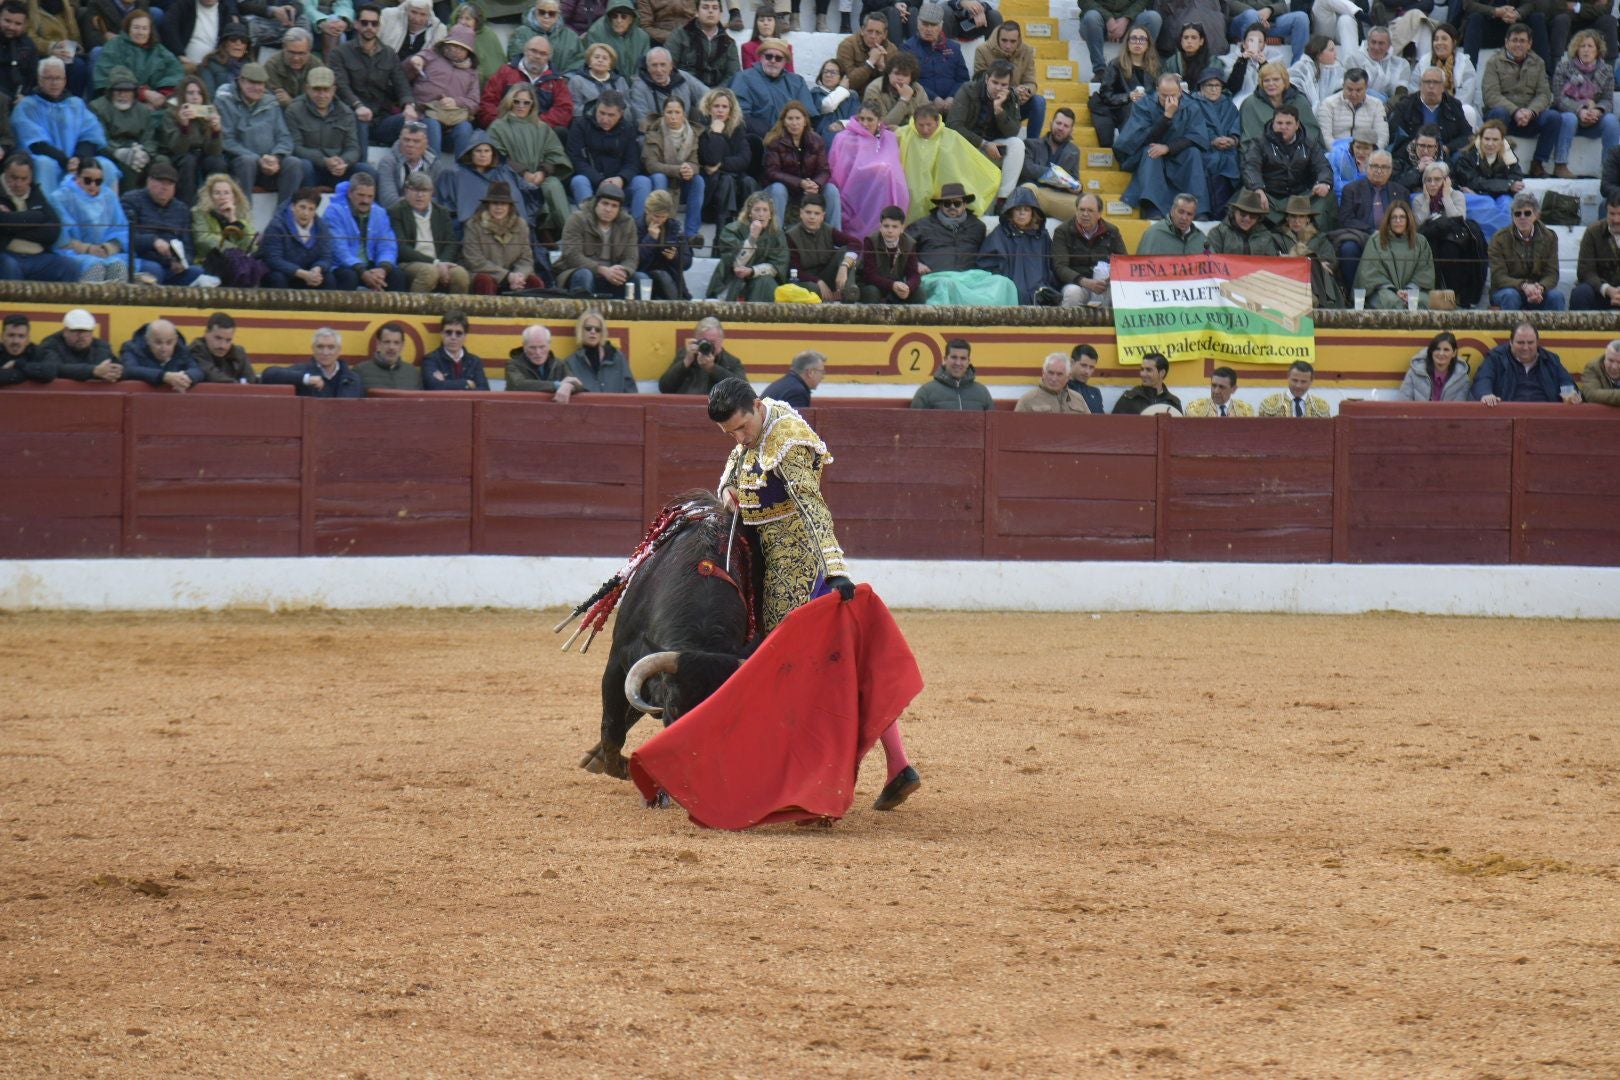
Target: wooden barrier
x=128 y=470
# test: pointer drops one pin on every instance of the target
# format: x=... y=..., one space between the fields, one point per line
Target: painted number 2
x=916 y=359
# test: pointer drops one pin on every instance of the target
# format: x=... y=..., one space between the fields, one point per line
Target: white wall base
x=518 y=582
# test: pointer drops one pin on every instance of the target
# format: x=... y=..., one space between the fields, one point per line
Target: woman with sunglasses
x=94 y=226
x=596 y=364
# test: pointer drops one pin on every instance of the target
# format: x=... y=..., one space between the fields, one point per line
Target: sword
x=730 y=537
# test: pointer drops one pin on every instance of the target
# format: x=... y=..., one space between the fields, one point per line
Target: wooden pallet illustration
x=1271 y=296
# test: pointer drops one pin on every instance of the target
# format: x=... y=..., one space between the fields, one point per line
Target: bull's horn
x=658 y=663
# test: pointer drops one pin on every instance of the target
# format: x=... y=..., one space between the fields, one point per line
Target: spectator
x=94 y=228
x=20 y=360
x=1349 y=115
x=661 y=18
x=605 y=149
x=324 y=130
x=532 y=368
x=19 y=57
x=497 y=248
x=896 y=13
x=460 y=190
x=1151 y=394
x=866 y=170
x=597 y=365
x=224 y=65
x=599 y=250
x=1222 y=383
x=954 y=386
x=1110 y=20
x=1293 y=26
x=1302 y=239
x=1523 y=371
x=1082 y=251
x=1438 y=372
x=1421 y=152
x=189 y=133
x=1397 y=267
x=702 y=362
x=1318 y=74
x=429 y=253
x=766 y=25
x=866 y=55
x=823 y=257
x=1259 y=110
x=664 y=252
x=157 y=356
x=489 y=51
x=580 y=14
x=1191 y=55
x=365 y=254
x=1240 y=234
x=985 y=113
x=1516 y=91
x=409 y=155
x=1362 y=208
x=1223 y=128
x=948 y=244
x=941 y=69
x=796 y=164
x=256 y=138
x=656 y=83
x=1286 y=162
x=131 y=125
x=451 y=366
x=1129 y=77
x=77 y=352
x=1458 y=245
x=1490 y=24
x=1388 y=74
x=58 y=128
x=29 y=228
x=1524 y=262
x=387 y=368
x=160 y=227
x=723 y=155
x=805 y=373
x=297 y=246
x=598 y=75
x=1020 y=249
x=533 y=151
x=1600 y=382
x=763 y=90
x=554 y=101
x=703 y=49
x=1056 y=150
x=669 y=155
x=889 y=263
x=1162 y=144
x=1461 y=77
x=1176 y=234
x=1349 y=163
x=1583 y=94
x=1597 y=267
x=1432 y=105
x=156 y=70
x=444 y=80
x=1053 y=394
x=1082 y=366
x=1489 y=176
x=1252 y=54
x=752 y=254
x=324 y=374
x=1563 y=16
x=288 y=71
x=411 y=28
x=832 y=103
x=371 y=81
x=969 y=20
x=101 y=20
x=896 y=95
x=617 y=28
x=59 y=31
x=546 y=21
x=217 y=355
x=932 y=154
x=1297 y=401
x=1011 y=47
x=191 y=29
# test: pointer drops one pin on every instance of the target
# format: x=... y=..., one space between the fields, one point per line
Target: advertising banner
x=1235 y=309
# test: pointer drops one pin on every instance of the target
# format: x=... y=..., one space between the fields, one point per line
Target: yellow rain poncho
x=945 y=157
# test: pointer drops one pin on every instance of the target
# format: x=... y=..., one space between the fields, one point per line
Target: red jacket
x=550 y=87
x=881 y=269
x=787 y=164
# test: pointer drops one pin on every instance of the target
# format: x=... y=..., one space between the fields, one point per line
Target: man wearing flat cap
x=942 y=69
x=130 y=124
x=256 y=137
x=325 y=132
x=160 y=228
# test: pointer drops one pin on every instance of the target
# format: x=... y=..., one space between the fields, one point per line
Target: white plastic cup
x=1361 y=298
x=1411 y=298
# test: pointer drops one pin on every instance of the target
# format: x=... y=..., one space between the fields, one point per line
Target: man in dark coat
x=29 y=227
x=19 y=56
x=1361 y=209
x=21 y=361
x=221 y=359
x=1082 y=366
x=157 y=356
x=77 y=353
x=1430 y=105
x=703 y=49
x=1286 y=162
x=1155 y=366
x=805 y=374
x=949 y=239
x=324 y=374
x=1522 y=370
x=451 y=366
x=158 y=221
x=702 y=362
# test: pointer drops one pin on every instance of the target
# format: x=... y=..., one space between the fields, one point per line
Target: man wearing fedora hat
x=1243 y=232
x=1301 y=238
x=255 y=136
x=949 y=239
x=324 y=130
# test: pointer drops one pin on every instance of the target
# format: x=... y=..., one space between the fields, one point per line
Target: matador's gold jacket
x=781 y=477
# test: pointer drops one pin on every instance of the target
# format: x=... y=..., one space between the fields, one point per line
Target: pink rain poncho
x=866 y=170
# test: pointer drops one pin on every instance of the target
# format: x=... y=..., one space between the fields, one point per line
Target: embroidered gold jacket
x=781 y=476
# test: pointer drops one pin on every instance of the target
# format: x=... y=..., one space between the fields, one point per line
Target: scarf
x=678 y=145
x=1581 y=85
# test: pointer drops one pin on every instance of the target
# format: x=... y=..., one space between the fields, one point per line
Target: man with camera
x=702 y=363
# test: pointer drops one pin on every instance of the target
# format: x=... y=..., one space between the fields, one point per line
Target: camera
x=705 y=348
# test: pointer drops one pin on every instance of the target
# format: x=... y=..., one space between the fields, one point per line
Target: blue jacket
x=943 y=69
x=380 y=248
x=345 y=384
x=790 y=389
x=284 y=253
x=150 y=222
x=437 y=362
x=762 y=98
x=141 y=366
x=1022 y=255
x=1500 y=373
x=89 y=219
x=598 y=154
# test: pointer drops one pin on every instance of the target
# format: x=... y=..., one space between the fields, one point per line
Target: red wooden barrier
x=1566 y=474
x=62 y=496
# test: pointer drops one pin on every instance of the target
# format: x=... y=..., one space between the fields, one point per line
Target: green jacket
x=316 y=137
x=1514 y=262
x=1597 y=387
x=680 y=379
x=960 y=395
x=154 y=68
x=1160 y=238
x=1226 y=239
x=771 y=248
x=401 y=376
x=208 y=234
x=1395 y=268
x=1598 y=264
x=198 y=137
x=127 y=127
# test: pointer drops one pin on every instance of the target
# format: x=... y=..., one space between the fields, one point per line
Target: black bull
x=672 y=607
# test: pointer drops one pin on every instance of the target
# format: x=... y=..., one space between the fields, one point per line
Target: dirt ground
x=358 y=844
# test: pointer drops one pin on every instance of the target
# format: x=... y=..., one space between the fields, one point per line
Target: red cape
x=783 y=738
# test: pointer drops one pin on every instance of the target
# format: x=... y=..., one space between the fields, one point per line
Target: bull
x=684 y=625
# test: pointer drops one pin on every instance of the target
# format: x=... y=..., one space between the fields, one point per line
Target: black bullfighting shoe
x=899 y=789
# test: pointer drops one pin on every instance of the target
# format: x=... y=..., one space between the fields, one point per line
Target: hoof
x=592 y=761
x=899 y=789
x=614 y=764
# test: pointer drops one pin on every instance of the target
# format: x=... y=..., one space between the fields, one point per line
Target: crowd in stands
x=1518 y=370
x=590 y=151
